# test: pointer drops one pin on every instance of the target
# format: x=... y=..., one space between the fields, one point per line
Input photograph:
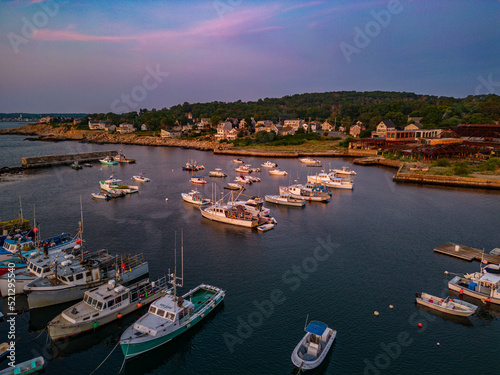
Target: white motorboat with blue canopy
x=314 y=346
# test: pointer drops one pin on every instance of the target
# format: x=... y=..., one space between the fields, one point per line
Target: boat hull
x=285 y=202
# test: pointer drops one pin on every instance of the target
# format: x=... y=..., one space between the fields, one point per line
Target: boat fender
x=250 y=216
x=139 y=305
x=461 y=291
x=119 y=316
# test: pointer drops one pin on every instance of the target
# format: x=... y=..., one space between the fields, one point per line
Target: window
x=85 y=298
x=161 y=313
x=79 y=276
x=99 y=305
x=89 y=301
x=111 y=303
x=94 y=302
x=152 y=310
x=125 y=297
x=118 y=299
x=70 y=278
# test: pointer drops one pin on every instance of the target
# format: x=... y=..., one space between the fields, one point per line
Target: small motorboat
x=27 y=367
x=108 y=160
x=217 y=173
x=194 y=197
x=448 y=306
x=345 y=171
x=314 y=346
x=140 y=177
x=198 y=180
x=88 y=165
x=277 y=172
x=269 y=164
x=234 y=186
x=101 y=196
x=265 y=227
x=285 y=199
x=243 y=180
x=238 y=161
x=76 y=166
x=244 y=169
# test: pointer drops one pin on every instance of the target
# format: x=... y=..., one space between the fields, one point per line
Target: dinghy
x=448 y=306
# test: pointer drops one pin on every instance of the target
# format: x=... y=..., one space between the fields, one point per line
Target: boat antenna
x=307 y=316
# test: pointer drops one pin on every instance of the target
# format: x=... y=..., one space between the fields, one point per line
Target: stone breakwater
x=50 y=160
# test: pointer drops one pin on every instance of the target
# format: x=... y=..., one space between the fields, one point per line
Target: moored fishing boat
x=448 y=305
x=331 y=180
x=244 y=169
x=229 y=214
x=170 y=316
x=269 y=164
x=105 y=304
x=285 y=199
x=238 y=161
x=299 y=191
x=479 y=285
x=72 y=278
x=108 y=160
x=243 y=180
x=277 y=172
x=217 y=173
x=115 y=186
x=314 y=346
x=101 y=196
x=141 y=178
x=75 y=165
x=310 y=162
x=198 y=180
x=19 y=226
x=344 y=171
x=195 y=197
x=234 y=186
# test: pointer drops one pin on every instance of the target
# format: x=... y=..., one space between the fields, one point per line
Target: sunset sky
x=119 y=56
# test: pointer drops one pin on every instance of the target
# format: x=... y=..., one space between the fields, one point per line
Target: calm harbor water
x=337 y=262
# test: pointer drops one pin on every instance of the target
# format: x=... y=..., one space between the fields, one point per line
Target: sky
x=119 y=56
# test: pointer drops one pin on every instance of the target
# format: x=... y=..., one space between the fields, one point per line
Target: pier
x=50 y=160
x=466 y=253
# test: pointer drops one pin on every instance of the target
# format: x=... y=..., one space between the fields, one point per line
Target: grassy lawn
x=307 y=146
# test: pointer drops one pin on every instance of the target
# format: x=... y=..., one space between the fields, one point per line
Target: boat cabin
x=17 y=242
x=167 y=309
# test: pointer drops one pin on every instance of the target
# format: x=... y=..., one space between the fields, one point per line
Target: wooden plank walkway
x=466 y=253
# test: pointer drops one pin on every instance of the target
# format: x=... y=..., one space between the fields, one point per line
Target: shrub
x=461 y=169
x=490 y=165
x=443 y=163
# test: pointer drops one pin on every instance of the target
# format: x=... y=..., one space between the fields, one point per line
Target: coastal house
x=125 y=127
x=287 y=130
x=327 y=127
x=97 y=125
x=223 y=130
x=342 y=128
x=269 y=128
x=412 y=134
x=382 y=128
x=232 y=134
x=164 y=133
x=356 y=130
x=295 y=124
x=204 y=123
x=110 y=127
x=415 y=126
x=232 y=120
x=47 y=119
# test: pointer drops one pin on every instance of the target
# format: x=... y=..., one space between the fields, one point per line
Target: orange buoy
x=488 y=300
x=119 y=316
x=139 y=305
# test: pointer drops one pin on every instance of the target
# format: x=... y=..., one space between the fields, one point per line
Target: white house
x=327 y=127
x=125 y=127
x=383 y=127
x=97 y=125
x=294 y=124
x=223 y=130
x=356 y=130
x=287 y=130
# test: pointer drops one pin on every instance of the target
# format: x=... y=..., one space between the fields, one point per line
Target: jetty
x=466 y=253
x=50 y=160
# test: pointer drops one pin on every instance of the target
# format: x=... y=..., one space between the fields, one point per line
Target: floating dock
x=466 y=253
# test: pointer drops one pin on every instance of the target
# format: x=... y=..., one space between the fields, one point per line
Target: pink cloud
x=306 y=5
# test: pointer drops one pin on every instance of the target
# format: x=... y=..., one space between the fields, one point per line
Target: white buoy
x=446 y=272
x=375 y=313
x=166 y=199
x=438 y=344
x=391 y=307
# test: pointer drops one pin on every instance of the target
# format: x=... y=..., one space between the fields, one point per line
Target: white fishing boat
x=243 y=180
x=314 y=346
x=244 y=169
x=310 y=162
x=195 y=197
x=229 y=214
x=108 y=160
x=345 y=171
x=331 y=180
x=170 y=316
x=254 y=205
x=217 y=173
x=447 y=305
x=277 y=172
x=480 y=285
x=198 y=180
x=253 y=178
x=105 y=304
x=101 y=196
x=299 y=191
x=73 y=278
x=234 y=186
x=115 y=186
x=285 y=199
x=269 y=164
x=141 y=178
x=238 y=161
x=265 y=227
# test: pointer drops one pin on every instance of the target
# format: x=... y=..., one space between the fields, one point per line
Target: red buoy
x=461 y=291
x=119 y=316
x=419 y=325
x=35 y=230
x=78 y=241
x=488 y=300
x=139 y=305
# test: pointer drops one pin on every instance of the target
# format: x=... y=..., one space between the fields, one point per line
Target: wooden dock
x=466 y=253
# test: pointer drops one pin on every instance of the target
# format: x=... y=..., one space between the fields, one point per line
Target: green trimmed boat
x=27 y=367
x=168 y=317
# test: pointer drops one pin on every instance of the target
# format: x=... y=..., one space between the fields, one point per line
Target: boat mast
x=80 y=227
